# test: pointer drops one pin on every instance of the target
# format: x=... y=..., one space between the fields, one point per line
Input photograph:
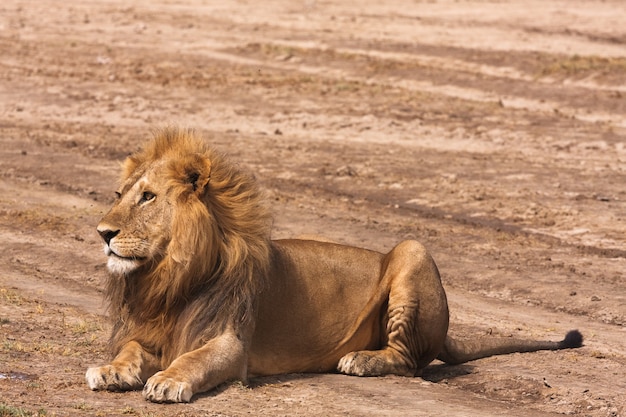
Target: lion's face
x=159 y=212
x=137 y=229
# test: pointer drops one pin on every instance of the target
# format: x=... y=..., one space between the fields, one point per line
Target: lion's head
x=161 y=206
x=187 y=223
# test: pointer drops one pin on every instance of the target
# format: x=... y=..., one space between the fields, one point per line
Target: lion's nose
x=107 y=234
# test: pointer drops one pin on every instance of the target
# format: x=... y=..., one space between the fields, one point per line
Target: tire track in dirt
x=505 y=86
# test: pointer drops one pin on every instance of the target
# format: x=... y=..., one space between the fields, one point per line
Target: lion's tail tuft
x=573 y=339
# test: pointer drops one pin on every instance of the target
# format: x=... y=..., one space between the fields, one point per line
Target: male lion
x=200 y=295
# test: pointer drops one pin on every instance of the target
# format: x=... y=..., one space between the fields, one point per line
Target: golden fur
x=200 y=295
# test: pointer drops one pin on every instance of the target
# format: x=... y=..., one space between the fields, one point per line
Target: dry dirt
x=492 y=131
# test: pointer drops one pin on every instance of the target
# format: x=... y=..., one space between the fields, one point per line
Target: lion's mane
x=216 y=261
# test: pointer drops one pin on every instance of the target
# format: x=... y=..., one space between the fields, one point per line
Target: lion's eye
x=118 y=195
x=147 y=196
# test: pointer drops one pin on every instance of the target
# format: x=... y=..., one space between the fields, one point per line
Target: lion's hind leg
x=395 y=358
x=415 y=321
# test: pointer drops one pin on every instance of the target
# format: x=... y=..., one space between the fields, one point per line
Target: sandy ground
x=492 y=131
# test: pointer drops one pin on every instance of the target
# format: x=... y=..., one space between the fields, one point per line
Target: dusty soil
x=492 y=131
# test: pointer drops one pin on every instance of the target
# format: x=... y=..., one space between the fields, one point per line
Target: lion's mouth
x=127 y=258
x=111 y=253
x=123 y=265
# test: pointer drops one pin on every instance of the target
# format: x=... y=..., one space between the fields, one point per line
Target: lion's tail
x=455 y=351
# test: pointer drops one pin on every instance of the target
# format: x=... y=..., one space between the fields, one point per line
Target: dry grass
x=10 y=297
x=577 y=65
x=10 y=411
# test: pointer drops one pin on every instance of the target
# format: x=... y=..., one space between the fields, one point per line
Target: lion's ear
x=198 y=174
x=194 y=171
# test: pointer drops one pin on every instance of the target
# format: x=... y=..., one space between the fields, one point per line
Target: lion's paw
x=163 y=389
x=354 y=363
x=110 y=378
x=374 y=363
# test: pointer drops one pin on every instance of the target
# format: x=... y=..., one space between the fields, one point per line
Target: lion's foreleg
x=219 y=360
x=129 y=370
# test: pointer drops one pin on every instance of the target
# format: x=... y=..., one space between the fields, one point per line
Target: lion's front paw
x=111 y=378
x=163 y=389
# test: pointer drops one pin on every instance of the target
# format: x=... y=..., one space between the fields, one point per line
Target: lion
x=200 y=295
